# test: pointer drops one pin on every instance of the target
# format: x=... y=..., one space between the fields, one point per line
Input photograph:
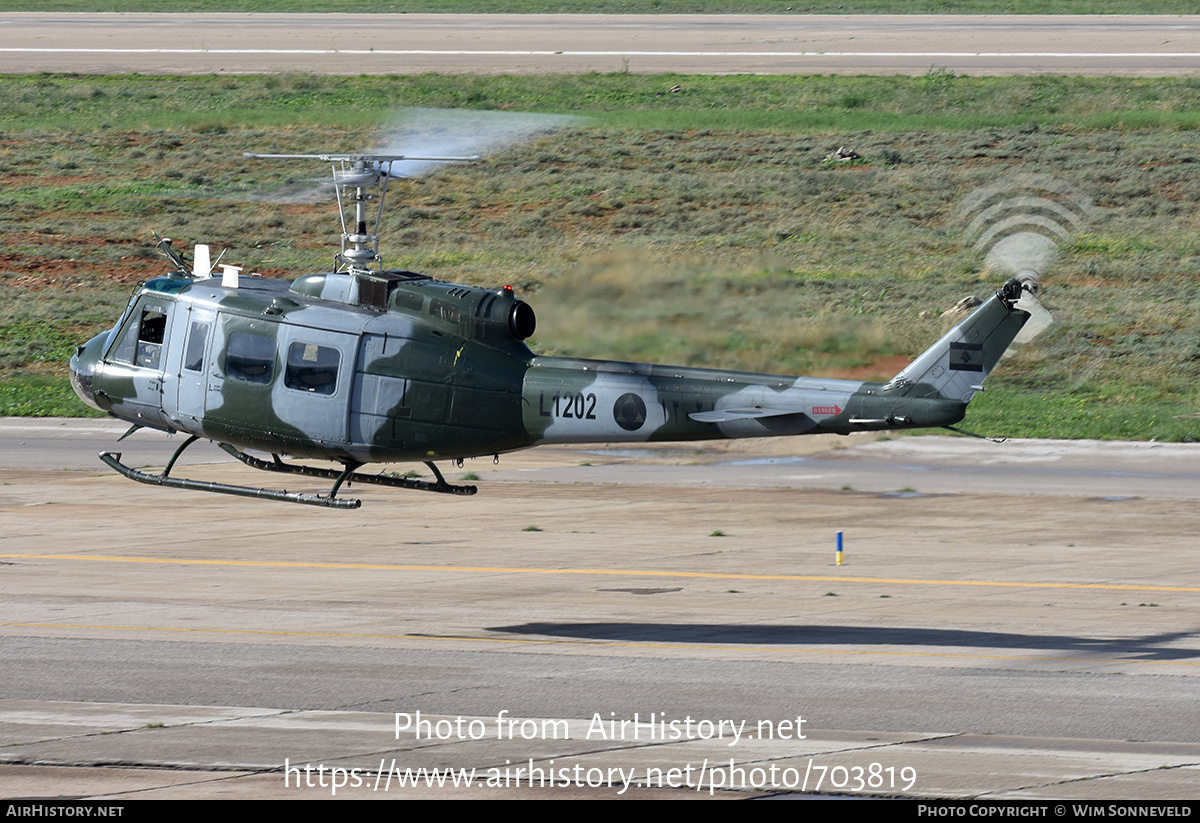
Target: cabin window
x=193 y=358
x=312 y=368
x=250 y=357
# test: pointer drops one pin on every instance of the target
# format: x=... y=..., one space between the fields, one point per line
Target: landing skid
x=277 y=465
x=330 y=501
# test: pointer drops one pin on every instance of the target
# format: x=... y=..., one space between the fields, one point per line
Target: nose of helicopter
x=83 y=369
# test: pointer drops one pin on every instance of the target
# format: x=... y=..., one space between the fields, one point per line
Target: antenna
x=202 y=262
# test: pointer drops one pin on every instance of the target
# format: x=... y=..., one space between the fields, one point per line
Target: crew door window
x=250 y=357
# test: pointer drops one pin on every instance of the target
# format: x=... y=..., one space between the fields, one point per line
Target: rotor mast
x=352 y=179
x=354 y=176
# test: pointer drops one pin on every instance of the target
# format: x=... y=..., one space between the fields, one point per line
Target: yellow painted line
x=596 y=643
x=272 y=564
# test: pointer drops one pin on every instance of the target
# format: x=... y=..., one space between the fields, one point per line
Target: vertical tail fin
x=954 y=367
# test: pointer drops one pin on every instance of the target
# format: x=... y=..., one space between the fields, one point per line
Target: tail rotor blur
x=1021 y=223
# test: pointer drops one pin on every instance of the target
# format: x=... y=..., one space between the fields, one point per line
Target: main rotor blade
x=422 y=136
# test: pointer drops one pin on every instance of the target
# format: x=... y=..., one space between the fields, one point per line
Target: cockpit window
x=250 y=357
x=142 y=343
x=312 y=368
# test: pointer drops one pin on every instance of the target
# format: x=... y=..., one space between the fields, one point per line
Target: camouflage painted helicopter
x=368 y=365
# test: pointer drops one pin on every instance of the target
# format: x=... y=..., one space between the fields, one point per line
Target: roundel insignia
x=630 y=412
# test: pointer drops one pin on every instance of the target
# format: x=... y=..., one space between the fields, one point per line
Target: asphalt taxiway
x=1017 y=622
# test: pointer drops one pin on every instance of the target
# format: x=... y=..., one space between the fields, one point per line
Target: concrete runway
x=352 y=44
x=1026 y=635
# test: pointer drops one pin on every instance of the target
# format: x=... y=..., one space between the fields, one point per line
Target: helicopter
x=365 y=364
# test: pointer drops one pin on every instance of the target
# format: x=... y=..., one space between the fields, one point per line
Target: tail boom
x=566 y=400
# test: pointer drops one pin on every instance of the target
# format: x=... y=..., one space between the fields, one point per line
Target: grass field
x=701 y=227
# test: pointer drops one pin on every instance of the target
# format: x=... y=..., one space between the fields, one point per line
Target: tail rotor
x=1021 y=223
